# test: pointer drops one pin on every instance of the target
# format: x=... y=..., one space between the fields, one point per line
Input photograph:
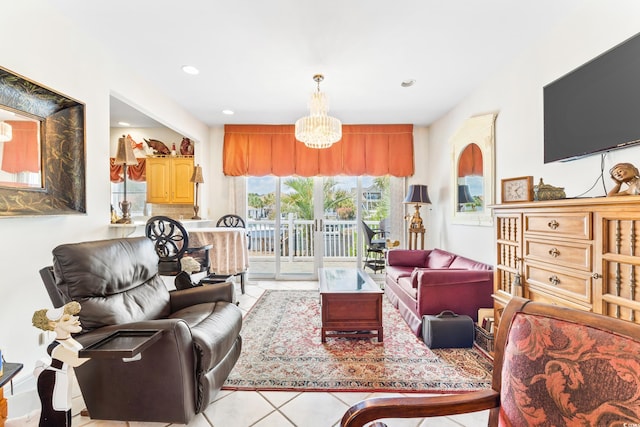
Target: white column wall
x=515 y=94
x=39 y=45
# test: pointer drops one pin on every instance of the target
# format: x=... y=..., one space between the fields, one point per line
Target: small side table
x=9 y=371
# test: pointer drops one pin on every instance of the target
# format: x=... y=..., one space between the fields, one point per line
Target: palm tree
x=382 y=209
x=300 y=200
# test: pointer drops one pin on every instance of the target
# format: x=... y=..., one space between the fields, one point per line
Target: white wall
x=49 y=51
x=515 y=94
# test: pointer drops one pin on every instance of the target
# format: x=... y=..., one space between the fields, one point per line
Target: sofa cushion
x=395 y=272
x=468 y=264
x=439 y=259
x=405 y=284
x=407 y=258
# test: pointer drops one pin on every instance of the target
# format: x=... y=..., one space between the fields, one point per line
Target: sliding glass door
x=298 y=224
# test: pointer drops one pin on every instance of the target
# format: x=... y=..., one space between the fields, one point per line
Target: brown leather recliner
x=117 y=284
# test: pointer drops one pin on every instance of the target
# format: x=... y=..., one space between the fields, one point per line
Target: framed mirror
x=472 y=171
x=42 y=149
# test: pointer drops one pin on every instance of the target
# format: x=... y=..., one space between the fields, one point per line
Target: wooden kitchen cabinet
x=169 y=180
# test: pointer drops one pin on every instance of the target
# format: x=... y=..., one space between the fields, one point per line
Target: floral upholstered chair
x=553 y=366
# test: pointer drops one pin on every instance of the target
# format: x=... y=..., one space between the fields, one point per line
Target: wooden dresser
x=579 y=253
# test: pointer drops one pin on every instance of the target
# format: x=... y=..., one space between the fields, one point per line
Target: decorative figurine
x=54 y=387
x=625 y=173
x=186 y=147
x=544 y=191
x=158 y=147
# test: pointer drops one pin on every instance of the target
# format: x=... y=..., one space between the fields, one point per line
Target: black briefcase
x=447 y=330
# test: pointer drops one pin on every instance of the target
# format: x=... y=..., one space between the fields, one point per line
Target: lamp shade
x=124 y=155
x=417 y=194
x=197 y=175
x=464 y=196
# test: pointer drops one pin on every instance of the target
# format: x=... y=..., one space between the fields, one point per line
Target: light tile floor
x=284 y=409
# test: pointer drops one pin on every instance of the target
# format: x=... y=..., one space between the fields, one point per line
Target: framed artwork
x=472 y=164
x=60 y=189
x=518 y=189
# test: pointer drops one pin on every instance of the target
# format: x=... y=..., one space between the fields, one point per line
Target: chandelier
x=318 y=130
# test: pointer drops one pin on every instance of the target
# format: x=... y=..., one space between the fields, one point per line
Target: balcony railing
x=296 y=238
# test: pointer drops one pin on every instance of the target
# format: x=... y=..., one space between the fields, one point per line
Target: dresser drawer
x=576 y=255
x=560 y=224
x=536 y=295
x=571 y=284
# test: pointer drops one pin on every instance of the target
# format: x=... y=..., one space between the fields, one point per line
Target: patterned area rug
x=282 y=351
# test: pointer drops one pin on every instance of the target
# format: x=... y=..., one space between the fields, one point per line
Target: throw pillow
x=439 y=259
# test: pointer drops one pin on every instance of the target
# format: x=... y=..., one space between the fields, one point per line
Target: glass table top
x=346 y=280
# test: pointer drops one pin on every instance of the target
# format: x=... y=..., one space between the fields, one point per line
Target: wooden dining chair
x=233 y=221
x=553 y=366
x=171 y=242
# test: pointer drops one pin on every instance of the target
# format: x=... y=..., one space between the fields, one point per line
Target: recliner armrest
x=207 y=293
x=175 y=330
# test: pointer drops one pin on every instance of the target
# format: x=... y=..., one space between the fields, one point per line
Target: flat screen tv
x=596 y=107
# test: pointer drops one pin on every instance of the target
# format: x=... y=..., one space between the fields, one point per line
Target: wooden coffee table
x=351 y=304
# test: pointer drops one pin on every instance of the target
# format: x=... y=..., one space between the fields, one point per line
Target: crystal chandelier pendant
x=318 y=129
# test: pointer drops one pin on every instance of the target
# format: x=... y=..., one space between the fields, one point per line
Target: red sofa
x=420 y=282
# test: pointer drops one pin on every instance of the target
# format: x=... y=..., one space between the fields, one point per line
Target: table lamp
x=417 y=195
x=125 y=157
x=197 y=179
x=464 y=197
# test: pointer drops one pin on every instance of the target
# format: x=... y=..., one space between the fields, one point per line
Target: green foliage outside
x=299 y=201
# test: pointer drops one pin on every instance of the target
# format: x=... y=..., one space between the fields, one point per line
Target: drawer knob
x=554 y=280
x=596 y=276
x=553 y=224
x=554 y=252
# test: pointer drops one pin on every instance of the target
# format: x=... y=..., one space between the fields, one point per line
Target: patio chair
x=376 y=244
x=552 y=366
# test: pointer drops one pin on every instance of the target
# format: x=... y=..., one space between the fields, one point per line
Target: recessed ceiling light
x=124 y=124
x=228 y=112
x=190 y=69
x=408 y=83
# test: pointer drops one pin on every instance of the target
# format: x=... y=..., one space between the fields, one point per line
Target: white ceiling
x=257 y=57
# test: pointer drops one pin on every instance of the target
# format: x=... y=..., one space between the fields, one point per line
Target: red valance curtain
x=470 y=162
x=376 y=150
x=134 y=172
x=21 y=153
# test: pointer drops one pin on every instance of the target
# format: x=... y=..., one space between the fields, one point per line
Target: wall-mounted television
x=596 y=107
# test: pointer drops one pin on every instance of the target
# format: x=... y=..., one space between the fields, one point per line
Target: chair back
x=231 y=220
x=554 y=363
x=115 y=281
x=368 y=233
x=170 y=240
x=56 y=297
x=553 y=366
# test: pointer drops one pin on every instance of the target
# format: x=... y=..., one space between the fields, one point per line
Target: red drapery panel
x=134 y=172
x=21 y=153
x=258 y=150
x=470 y=162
